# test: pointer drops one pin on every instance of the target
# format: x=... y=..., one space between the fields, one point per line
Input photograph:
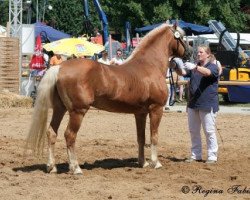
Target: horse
x=137 y=86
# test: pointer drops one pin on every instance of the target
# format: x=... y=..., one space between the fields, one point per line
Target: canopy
x=187 y=27
x=74 y=46
x=49 y=33
x=3 y=31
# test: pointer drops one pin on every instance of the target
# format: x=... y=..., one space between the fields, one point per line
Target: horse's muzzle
x=188 y=53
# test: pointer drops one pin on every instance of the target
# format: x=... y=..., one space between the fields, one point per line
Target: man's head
x=104 y=53
x=119 y=53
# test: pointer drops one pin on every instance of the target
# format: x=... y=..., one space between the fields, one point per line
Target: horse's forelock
x=181 y=31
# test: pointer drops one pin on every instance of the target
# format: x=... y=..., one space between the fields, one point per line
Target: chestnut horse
x=137 y=86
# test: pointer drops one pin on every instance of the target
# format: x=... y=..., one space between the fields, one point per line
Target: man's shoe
x=189 y=160
x=211 y=161
x=166 y=108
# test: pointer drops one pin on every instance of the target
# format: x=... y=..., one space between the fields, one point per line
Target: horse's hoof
x=158 y=165
x=145 y=164
x=78 y=171
x=51 y=169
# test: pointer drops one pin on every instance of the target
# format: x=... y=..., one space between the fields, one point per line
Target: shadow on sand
x=110 y=163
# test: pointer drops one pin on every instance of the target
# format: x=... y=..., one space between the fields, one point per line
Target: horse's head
x=179 y=47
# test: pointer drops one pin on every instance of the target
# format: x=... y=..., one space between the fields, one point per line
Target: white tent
x=3 y=31
x=212 y=38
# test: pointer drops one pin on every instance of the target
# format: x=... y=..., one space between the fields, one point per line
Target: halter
x=187 y=55
x=177 y=36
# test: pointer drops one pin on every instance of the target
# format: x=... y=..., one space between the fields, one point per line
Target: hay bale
x=9 y=64
x=9 y=99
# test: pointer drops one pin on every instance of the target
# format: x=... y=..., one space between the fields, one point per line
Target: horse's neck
x=154 y=54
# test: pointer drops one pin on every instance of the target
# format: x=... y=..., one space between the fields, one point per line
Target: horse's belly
x=118 y=106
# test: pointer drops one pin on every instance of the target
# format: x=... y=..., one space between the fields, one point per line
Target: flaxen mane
x=146 y=40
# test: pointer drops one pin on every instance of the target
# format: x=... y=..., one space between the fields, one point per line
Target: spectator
x=56 y=59
x=181 y=89
x=118 y=59
x=104 y=59
x=213 y=60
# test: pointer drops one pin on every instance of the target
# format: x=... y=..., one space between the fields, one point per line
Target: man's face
x=119 y=53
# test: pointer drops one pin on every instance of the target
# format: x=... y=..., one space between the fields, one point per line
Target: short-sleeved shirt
x=101 y=60
x=203 y=90
x=117 y=61
x=55 y=61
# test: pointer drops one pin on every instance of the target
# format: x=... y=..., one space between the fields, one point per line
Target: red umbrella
x=37 y=60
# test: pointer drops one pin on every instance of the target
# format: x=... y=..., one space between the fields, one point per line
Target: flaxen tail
x=37 y=133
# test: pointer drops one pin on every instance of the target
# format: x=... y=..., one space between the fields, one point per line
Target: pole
x=44 y=8
x=110 y=47
x=36 y=10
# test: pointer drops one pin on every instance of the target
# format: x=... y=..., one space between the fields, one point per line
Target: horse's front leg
x=75 y=119
x=140 y=120
x=155 y=116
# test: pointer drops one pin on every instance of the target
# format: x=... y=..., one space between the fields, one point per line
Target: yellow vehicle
x=235 y=63
x=236 y=66
x=233 y=74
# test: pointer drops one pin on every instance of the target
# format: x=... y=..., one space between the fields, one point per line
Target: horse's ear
x=175 y=25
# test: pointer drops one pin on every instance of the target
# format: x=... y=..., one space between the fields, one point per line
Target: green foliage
x=4 y=12
x=68 y=16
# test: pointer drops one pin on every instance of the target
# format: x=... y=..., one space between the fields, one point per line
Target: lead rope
x=172 y=87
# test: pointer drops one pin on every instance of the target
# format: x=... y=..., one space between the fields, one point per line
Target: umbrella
x=74 y=46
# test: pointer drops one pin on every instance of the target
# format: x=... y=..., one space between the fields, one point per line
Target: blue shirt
x=203 y=91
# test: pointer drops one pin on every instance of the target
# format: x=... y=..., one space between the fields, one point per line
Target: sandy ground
x=107 y=152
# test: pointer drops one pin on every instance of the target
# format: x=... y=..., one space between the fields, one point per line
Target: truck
x=235 y=62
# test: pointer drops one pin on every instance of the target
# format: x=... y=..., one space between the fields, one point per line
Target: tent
x=49 y=33
x=3 y=31
x=189 y=28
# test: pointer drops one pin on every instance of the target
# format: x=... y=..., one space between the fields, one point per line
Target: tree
x=68 y=16
x=4 y=12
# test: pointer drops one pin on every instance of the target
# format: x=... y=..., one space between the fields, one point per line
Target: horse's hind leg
x=140 y=127
x=75 y=119
x=58 y=113
x=155 y=116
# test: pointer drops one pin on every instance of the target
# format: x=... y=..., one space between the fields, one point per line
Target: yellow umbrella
x=77 y=46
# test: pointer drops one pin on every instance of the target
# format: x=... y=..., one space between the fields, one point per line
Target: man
x=118 y=60
x=104 y=59
x=56 y=60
